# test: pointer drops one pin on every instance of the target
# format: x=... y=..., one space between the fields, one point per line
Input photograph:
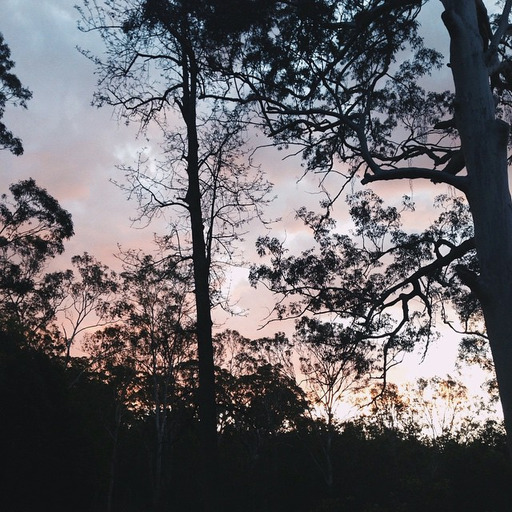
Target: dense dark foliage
x=13 y=93
x=57 y=445
x=119 y=430
x=52 y=441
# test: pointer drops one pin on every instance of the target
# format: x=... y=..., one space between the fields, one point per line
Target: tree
x=86 y=297
x=434 y=411
x=11 y=92
x=365 y=282
x=160 y=64
x=151 y=334
x=33 y=228
x=247 y=403
x=113 y=364
x=390 y=409
x=261 y=409
x=330 y=363
x=442 y=402
x=333 y=365
x=328 y=80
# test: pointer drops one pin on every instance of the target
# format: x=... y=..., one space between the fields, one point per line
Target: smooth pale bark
x=484 y=142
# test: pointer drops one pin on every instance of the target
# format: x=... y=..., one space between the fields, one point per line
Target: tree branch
x=501 y=30
x=459 y=182
x=455 y=253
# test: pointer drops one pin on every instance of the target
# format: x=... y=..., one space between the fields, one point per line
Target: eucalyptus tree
x=259 y=397
x=343 y=80
x=33 y=229
x=11 y=92
x=88 y=293
x=333 y=364
x=434 y=410
x=151 y=334
x=113 y=364
x=347 y=290
x=159 y=69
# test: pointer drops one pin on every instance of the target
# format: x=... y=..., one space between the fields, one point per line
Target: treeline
x=75 y=438
x=117 y=429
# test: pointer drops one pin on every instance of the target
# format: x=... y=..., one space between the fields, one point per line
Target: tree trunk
x=329 y=472
x=201 y=263
x=113 y=456
x=160 y=427
x=207 y=406
x=484 y=143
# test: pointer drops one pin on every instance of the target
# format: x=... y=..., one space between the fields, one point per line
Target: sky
x=72 y=149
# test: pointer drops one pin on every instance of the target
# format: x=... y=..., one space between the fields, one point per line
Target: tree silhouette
x=160 y=68
x=86 y=304
x=342 y=81
x=33 y=228
x=11 y=92
x=151 y=335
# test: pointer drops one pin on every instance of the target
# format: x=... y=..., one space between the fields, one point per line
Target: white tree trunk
x=484 y=142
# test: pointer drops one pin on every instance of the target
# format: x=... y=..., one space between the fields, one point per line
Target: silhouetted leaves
x=11 y=92
x=33 y=228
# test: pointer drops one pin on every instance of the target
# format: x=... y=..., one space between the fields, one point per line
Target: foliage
x=87 y=295
x=347 y=92
x=159 y=66
x=54 y=434
x=433 y=410
x=257 y=390
x=336 y=78
x=383 y=289
x=51 y=442
x=159 y=69
x=332 y=365
x=11 y=92
x=131 y=405
x=33 y=228
x=475 y=351
x=326 y=77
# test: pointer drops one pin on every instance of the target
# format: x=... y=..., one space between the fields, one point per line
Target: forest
x=117 y=427
x=122 y=391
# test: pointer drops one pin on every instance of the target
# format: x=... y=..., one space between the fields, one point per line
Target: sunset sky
x=72 y=149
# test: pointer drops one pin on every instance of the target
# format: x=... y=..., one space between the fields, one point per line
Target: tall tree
x=160 y=326
x=329 y=80
x=160 y=68
x=153 y=336
x=333 y=364
x=11 y=92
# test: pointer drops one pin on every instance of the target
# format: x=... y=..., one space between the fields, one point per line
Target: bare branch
x=411 y=173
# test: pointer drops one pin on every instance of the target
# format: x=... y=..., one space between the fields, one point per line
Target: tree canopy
x=33 y=229
x=186 y=417
x=343 y=82
x=13 y=93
